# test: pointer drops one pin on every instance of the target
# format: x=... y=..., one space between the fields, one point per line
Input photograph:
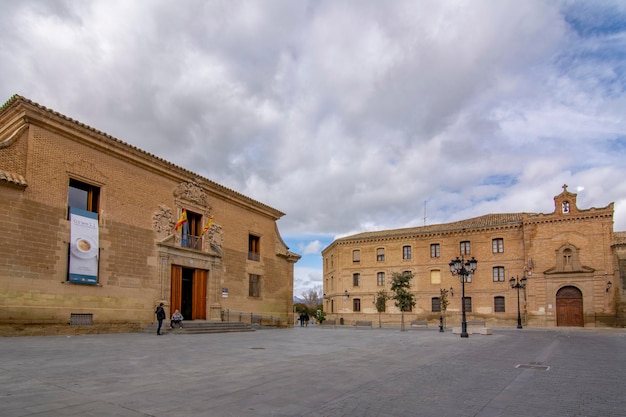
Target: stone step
x=201 y=327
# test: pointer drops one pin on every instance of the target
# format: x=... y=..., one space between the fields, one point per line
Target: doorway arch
x=569 y=307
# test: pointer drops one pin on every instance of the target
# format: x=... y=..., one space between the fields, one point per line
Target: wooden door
x=176 y=287
x=199 y=294
x=569 y=307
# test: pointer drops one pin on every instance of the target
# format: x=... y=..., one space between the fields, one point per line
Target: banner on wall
x=84 y=250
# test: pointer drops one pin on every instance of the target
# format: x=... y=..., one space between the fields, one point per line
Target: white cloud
x=345 y=116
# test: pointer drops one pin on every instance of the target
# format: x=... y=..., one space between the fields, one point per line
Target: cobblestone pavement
x=317 y=372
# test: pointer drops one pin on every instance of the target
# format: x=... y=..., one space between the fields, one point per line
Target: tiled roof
x=13 y=178
x=487 y=220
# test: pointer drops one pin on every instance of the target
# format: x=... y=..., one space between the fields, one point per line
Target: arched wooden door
x=569 y=307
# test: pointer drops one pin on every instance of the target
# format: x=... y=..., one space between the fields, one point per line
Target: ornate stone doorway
x=188 y=292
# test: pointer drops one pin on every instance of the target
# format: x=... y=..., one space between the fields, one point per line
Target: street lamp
x=518 y=283
x=463 y=269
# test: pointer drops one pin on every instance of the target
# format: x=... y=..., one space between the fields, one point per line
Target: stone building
x=573 y=262
x=88 y=233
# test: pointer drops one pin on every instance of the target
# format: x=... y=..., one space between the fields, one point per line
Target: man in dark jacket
x=160 y=314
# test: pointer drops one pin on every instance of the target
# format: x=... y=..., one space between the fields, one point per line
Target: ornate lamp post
x=518 y=283
x=463 y=269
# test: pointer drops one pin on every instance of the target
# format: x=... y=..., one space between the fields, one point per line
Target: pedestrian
x=306 y=319
x=177 y=318
x=301 y=319
x=160 y=314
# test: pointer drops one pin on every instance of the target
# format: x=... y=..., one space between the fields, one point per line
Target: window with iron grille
x=498 y=304
x=468 y=304
x=255 y=286
x=436 y=304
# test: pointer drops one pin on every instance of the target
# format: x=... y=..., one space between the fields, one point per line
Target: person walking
x=160 y=314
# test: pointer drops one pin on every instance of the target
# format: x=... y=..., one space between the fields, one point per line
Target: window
x=465 y=248
x=406 y=252
x=356 y=256
x=498 y=304
x=435 y=276
x=468 y=304
x=380 y=254
x=498 y=245
x=356 y=304
x=435 y=250
x=380 y=277
x=254 y=248
x=83 y=196
x=255 y=286
x=356 y=279
x=565 y=206
x=498 y=274
x=436 y=305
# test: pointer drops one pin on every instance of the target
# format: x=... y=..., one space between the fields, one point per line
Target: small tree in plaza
x=443 y=304
x=380 y=301
x=401 y=286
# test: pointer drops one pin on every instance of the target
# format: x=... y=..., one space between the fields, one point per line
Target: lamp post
x=463 y=269
x=517 y=284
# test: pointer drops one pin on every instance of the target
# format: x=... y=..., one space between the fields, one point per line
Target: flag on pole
x=207 y=225
x=182 y=220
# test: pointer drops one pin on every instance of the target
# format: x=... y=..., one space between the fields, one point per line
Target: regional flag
x=182 y=220
x=207 y=225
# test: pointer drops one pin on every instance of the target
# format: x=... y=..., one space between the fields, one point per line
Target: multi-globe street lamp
x=463 y=269
x=518 y=283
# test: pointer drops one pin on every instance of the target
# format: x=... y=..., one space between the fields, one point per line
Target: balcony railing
x=254 y=256
x=189 y=241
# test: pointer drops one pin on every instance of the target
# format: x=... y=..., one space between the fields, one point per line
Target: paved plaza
x=317 y=372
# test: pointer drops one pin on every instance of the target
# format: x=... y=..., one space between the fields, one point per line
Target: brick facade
x=570 y=249
x=140 y=198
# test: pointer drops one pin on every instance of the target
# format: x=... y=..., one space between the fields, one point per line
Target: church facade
x=570 y=266
x=97 y=231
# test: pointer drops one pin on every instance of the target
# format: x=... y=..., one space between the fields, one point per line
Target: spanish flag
x=207 y=225
x=182 y=220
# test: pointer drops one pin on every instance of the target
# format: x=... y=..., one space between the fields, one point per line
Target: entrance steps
x=200 y=327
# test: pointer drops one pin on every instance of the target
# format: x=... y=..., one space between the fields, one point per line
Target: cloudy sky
x=346 y=115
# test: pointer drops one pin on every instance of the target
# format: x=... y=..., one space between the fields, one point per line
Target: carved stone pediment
x=192 y=192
